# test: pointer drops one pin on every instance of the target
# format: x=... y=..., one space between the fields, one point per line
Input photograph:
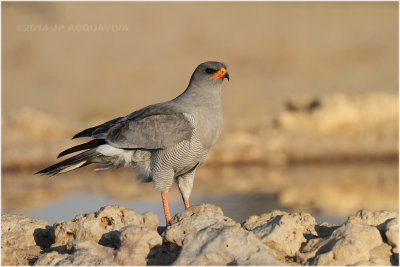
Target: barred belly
x=175 y=161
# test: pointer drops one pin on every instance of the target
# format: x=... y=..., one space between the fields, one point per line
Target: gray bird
x=165 y=142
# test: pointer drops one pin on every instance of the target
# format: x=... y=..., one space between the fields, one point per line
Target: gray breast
x=209 y=127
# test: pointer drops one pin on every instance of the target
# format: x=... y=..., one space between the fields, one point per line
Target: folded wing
x=157 y=131
x=154 y=127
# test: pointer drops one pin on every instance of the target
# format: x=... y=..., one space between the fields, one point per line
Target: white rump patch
x=110 y=151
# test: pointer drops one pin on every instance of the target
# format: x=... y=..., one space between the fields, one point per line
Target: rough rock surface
x=377 y=218
x=102 y=226
x=357 y=242
x=193 y=220
x=136 y=243
x=283 y=232
x=392 y=234
x=224 y=244
x=201 y=235
x=348 y=245
x=22 y=239
x=80 y=252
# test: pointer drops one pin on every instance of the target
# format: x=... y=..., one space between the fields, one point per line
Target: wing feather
x=153 y=127
x=153 y=132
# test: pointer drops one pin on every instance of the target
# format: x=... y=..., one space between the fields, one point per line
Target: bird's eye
x=208 y=70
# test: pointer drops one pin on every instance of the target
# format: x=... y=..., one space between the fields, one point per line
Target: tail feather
x=86 y=133
x=89 y=131
x=72 y=163
x=91 y=144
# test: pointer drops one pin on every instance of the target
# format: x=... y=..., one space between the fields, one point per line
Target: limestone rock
x=22 y=239
x=380 y=255
x=222 y=244
x=102 y=226
x=281 y=231
x=387 y=222
x=201 y=235
x=193 y=220
x=50 y=258
x=392 y=234
x=136 y=243
x=350 y=244
x=83 y=252
x=373 y=218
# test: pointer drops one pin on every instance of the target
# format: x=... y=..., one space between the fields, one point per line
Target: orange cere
x=219 y=74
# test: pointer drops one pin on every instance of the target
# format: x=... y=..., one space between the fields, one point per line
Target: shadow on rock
x=44 y=238
x=200 y=235
x=111 y=239
x=166 y=254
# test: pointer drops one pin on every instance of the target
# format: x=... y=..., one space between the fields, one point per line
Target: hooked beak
x=221 y=74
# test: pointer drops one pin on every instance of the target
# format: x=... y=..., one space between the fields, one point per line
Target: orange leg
x=164 y=197
x=186 y=202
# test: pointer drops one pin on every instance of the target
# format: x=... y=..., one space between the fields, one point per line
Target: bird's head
x=210 y=73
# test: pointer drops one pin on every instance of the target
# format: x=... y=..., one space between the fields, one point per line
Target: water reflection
x=329 y=192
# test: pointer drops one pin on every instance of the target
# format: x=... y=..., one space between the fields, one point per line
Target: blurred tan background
x=274 y=51
x=310 y=82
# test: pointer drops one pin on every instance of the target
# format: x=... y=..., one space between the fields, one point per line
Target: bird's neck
x=205 y=105
x=196 y=96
